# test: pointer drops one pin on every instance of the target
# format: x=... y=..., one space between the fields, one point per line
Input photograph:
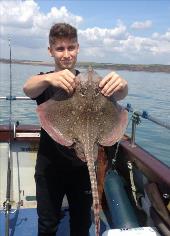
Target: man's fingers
x=68 y=85
x=70 y=80
x=111 y=86
x=112 y=83
x=64 y=79
x=69 y=77
x=65 y=88
x=61 y=82
x=107 y=78
x=108 y=85
x=113 y=89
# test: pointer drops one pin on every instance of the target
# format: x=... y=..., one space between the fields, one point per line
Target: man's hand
x=113 y=84
x=64 y=79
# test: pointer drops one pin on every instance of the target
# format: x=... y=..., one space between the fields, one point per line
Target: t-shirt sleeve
x=49 y=92
x=45 y=95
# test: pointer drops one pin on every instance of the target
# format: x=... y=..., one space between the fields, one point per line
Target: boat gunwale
x=154 y=169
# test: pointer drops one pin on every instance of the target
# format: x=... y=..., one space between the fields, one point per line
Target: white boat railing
x=14 y=98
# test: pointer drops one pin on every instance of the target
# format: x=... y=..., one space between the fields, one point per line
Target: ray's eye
x=83 y=92
x=97 y=91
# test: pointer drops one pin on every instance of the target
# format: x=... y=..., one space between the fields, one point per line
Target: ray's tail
x=96 y=205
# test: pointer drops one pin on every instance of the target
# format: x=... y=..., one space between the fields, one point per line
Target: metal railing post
x=135 y=121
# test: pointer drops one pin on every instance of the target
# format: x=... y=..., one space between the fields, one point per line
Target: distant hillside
x=129 y=67
x=110 y=66
x=26 y=62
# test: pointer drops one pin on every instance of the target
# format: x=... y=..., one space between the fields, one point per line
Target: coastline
x=110 y=66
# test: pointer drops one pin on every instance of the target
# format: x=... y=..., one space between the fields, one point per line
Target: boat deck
x=24 y=223
x=134 y=167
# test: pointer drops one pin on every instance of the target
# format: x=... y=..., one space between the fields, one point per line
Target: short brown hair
x=62 y=30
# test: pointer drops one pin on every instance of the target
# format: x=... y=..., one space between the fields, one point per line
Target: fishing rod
x=144 y=114
x=136 y=120
x=7 y=203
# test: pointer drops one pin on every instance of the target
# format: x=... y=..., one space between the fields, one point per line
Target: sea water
x=147 y=91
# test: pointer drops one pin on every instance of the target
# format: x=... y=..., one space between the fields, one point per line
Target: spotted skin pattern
x=83 y=121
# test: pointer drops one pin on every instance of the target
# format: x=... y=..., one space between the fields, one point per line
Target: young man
x=58 y=170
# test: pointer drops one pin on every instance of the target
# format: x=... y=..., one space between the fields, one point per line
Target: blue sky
x=104 y=13
x=123 y=8
x=117 y=31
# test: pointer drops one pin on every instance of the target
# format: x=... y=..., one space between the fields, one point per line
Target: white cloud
x=93 y=52
x=100 y=34
x=18 y=14
x=98 y=43
x=141 y=24
x=27 y=14
x=164 y=37
x=24 y=23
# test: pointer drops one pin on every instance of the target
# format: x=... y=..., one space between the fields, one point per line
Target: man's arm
x=38 y=83
x=114 y=85
x=35 y=85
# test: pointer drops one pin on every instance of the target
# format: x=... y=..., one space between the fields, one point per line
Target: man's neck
x=59 y=69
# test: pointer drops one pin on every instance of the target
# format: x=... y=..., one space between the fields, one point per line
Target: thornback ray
x=85 y=120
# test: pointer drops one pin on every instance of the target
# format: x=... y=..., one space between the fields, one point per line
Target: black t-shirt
x=47 y=146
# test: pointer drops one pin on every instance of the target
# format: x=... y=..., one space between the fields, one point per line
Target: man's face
x=65 y=53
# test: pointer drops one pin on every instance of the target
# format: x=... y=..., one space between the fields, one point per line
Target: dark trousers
x=52 y=183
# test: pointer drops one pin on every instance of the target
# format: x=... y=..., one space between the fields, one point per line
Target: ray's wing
x=114 y=125
x=54 y=119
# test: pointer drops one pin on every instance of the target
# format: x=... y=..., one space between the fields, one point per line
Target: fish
x=85 y=120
